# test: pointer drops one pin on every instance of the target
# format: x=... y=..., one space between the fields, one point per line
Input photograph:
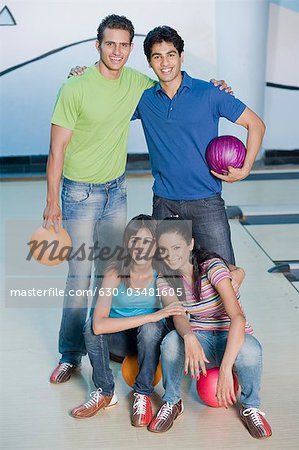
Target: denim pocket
x=76 y=193
x=123 y=189
x=156 y=200
x=213 y=202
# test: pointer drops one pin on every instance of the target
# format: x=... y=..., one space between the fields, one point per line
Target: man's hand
x=194 y=356
x=223 y=86
x=78 y=70
x=52 y=216
x=233 y=174
x=238 y=275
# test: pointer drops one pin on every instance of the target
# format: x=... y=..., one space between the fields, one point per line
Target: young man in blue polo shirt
x=180 y=116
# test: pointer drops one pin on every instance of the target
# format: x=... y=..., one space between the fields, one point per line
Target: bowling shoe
x=165 y=417
x=255 y=422
x=62 y=373
x=142 y=410
x=91 y=407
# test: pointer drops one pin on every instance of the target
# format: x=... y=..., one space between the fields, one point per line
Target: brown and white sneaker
x=62 y=373
x=255 y=422
x=165 y=417
x=91 y=407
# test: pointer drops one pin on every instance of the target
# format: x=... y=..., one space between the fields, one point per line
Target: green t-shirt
x=98 y=111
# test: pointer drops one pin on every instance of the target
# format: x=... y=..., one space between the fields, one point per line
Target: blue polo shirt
x=177 y=133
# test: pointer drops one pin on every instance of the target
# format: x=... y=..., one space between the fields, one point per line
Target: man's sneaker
x=255 y=421
x=91 y=407
x=62 y=373
x=165 y=417
x=142 y=410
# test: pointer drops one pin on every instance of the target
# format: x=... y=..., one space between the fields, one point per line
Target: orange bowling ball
x=48 y=247
x=130 y=368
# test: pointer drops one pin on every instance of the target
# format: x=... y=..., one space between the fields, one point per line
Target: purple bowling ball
x=225 y=151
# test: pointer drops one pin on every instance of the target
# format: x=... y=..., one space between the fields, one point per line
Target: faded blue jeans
x=210 y=227
x=248 y=364
x=94 y=216
x=144 y=341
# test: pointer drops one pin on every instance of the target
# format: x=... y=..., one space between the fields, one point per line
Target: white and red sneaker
x=142 y=410
x=255 y=422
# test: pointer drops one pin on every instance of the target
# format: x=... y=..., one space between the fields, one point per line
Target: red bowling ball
x=206 y=387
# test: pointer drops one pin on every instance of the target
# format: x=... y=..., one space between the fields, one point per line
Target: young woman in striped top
x=215 y=333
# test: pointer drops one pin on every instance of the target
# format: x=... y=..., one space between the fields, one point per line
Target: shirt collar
x=186 y=82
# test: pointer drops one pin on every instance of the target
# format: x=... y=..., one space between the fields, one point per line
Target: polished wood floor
x=35 y=414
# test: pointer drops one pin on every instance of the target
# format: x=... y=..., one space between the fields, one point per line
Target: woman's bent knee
x=172 y=346
x=251 y=352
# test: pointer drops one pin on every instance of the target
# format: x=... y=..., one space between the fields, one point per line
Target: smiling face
x=166 y=62
x=114 y=50
x=142 y=246
x=175 y=251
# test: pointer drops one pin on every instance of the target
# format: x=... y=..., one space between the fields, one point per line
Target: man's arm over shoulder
x=145 y=82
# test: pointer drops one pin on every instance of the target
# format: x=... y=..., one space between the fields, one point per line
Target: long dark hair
x=122 y=266
x=198 y=255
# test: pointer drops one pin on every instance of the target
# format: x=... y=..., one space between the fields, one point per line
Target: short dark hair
x=115 y=22
x=160 y=34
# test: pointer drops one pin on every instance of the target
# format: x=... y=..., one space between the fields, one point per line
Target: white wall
x=241 y=30
x=281 y=105
x=28 y=93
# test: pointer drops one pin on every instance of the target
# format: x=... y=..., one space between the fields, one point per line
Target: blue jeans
x=210 y=227
x=144 y=340
x=94 y=216
x=248 y=364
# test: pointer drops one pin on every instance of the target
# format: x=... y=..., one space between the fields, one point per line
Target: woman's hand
x=195 y=357
x=173 y=309
x=225 y=388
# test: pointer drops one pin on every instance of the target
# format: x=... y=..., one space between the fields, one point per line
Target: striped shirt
x=208 y=313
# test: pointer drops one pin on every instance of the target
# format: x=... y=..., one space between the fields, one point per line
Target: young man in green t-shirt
x=89 y=135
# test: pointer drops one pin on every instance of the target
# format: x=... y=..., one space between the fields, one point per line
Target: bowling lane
x=280 y=242
x=29 y=335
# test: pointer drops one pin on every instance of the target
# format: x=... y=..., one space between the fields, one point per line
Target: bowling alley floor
x=36 y=415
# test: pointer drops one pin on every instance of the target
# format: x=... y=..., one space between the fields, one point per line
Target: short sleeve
x=67 y=107
x=226 y=105
x=163 y=285
x=217 y=271
x=135 y=115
